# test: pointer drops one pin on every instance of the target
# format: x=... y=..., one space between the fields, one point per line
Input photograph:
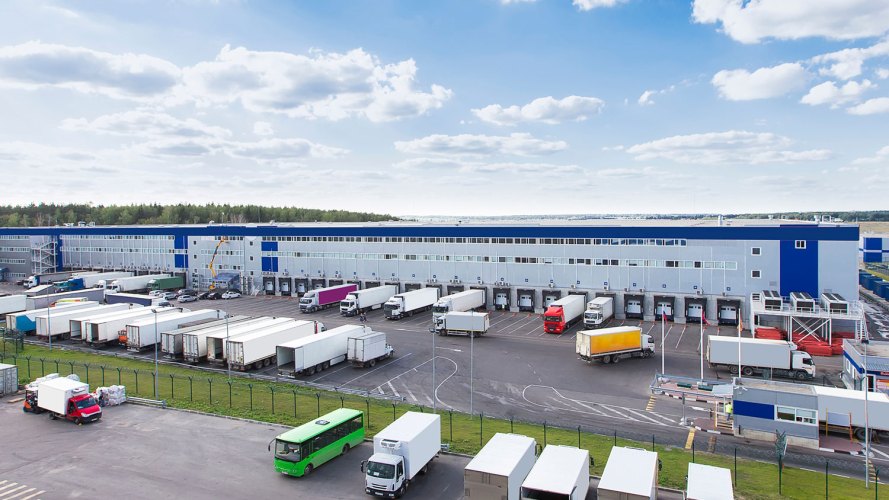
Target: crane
x=222 y=239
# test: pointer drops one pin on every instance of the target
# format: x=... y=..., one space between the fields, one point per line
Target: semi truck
x=322 y=298
x=563 y=313
x=44 y=301
x=133 y=298
x=777 y=357
x=499 y=469
x=47 y=278
x=258 y=349
x=58 y=323
x=132 y=284
x=107 y=328
x=80 y=282
x=630 y=474
x=217 y=342
x=26 y=321
x=171 y=341
x=469 y=323
x=403 y=449
x=13 y=303
x=194 y=343
x=366 y=349
x=318 y=352
x=369 y=299
x=171 y=283
x=846 y=406
x=560 y=472
x=408 y=303
x=610 y=345
x=458 y=302
x=63 y=398
x=147 y=331
x=599 y=312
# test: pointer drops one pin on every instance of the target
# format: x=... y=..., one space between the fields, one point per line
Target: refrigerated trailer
x=147 y=331
x=171 y=341
x=217 y=342
x=560 y=472
x=105 y=329
x=58 y=323
x=630 y=474
x=361 y=301
x=318 y=352
x=368 y=348
x=194 y=344
x=26 y=321
x=777 y=357
x=43 y=301
x=467 y=300
x=499 y=469
x=133 y=298
x=13 y=303
x=468 y=323
x=258 y=349
x=846 y=407
x=599 y=312
x=408 y=303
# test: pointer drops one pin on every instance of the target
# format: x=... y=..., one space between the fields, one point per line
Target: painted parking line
x=10 y=490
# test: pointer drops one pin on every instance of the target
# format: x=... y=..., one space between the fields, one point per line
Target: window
x=797 y=415
x=756 y=273
x=800 y=244
x=756 y=251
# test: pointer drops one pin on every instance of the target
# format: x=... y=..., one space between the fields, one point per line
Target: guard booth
x=268 y=285
x=301 y=286
x=285 y=285
x=634 y=305
x=501 y=298
x=452 y=289
x=728 y=311
x=695 y=308
x=664 y=304
x=525 y=299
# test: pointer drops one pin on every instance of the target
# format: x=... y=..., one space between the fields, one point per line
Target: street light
x=154 y=310
x=865 y=341
x=227 y=358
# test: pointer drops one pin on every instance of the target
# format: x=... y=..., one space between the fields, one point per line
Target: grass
x=291 y=405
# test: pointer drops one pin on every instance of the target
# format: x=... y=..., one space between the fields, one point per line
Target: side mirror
x=362 y=465
x=270 y=444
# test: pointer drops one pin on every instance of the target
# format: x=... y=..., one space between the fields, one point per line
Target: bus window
x=287 y=451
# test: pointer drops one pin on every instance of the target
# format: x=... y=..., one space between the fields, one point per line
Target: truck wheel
x=606 y=359
x=310 y=371
x=78 y=421
x=733 y=370
x=615 y=359
x=266 y=361
x=747 y=371
x=801 y=375
x=52 y=416
x=371 y=363
x=859 y=434
x=325 y=365
x=425 y=469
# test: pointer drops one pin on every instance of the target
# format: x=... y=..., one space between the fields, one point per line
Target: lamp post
x=48 y=326
x=471 y=368
x=227 y=359
x=154 y=310
x=865 y=341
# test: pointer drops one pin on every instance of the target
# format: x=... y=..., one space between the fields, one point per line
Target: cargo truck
x=217 y=342
x=563 y=313
x=259 y=348
x=630 y=474
x=322 y=298
x=318 y=352
x=458 y=302
x=107 y=328
x=499 y=469
x=846 y=407
x=560 y=472
x=171 y=283
x=610 y=345
x=13 y=303
x=469 y=323
x=44 y=301
x=80 y=326
x=599 y=312
x=403 y=449
x=58 y=323
x=369 y=299
x=80 y=282
x=26 y=321
x=367 y=348
x=194 y=344
x=146 y=332
x=63 y=398
x=47 y=278
x=171 y=341
x=408 y=303
x=775 y=357
x=133 y=298
x=132 y=284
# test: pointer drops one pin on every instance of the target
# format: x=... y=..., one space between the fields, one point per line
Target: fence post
x=876 y=483
x=692 y=451
x=87 y=365
x=210 y=381
x=29 y=369
x=272 y=390
x=136 y=372
x=544 y=433
x=102 y=367
x=367 y=403
x=318 y=402
x=229 y=393
x=578 y=436
x=652 y=442
x=118 y=377
x=481 y=428
x=342 y=402
x=251 y=396
x=172 y=391
x=511 y=431
x=393 y=412
x=294 y=402
x=57 y=366
x=615 y=437
x=735 y=482
x=71 y=364
x=190 y=388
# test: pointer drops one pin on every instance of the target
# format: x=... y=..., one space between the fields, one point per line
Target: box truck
x=630 y=474
x=217 y=342
x=403 y=449
x=468 y=323
x=80 y=282
x=706 y=482
x=146 y=332
x=321 y=298
x=460 y=302
x=13 y=303
x=26 y=321
x=171 y=283
x=563 y=313
x=58 y=323
x=777 y=357
x=367 y=348
x=259 y=348
x=132 y=284
x=408 y=303
x=846 y=407
x=361 y=301
x=560 y=472
x=599 y=312
x=107 y=328
x=44 y=301
x=318 y=352
x=194 y=344
x=499 y=469
x=610 y=345
x=63 y=398
x=171 y=341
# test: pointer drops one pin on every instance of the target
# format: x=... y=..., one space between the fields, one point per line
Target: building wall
x=15 y=254
x=754 y=410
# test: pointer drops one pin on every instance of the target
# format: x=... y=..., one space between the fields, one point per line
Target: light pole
x=154 y=310
x=471 y=361
x=227 y=359
x=865 y=341
x=434 y=334
x=48 y=326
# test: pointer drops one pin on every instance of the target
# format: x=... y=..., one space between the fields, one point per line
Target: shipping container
x=259 y=348
x=318 y=352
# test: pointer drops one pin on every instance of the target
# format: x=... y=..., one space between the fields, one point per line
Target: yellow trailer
x=612 y=344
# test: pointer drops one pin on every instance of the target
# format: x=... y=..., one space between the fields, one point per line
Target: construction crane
x=222 y=239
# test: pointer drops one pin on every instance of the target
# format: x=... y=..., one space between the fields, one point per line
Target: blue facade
x=799 y=268
x=270 y=264
x=755 y=410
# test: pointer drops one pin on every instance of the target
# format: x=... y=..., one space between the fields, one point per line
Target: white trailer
x=44 y=301
x=194 y=344
x=467 y=300
x=760 y=355
x=146 y=332
x=630 y=474
x=845 y=407
x=217 y=342
x=368 y=348
x=171 y=341
x=402 y=450
x=318 y=352
x=13 y=303
x=408 y=303
x=361 y=301
x=468 y=323
x=58 y=323
x=499 y=469
x=26 y=321
x=133 y=283
x=108 y=328
x=259 y=348
x=560 y=472
x=599 y=312
x=706 y=482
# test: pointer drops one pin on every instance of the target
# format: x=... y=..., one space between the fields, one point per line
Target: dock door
x=501 y=299
x=550 y=296
x=285 y=285
x=525 y=299
x=452 y=289
x=301 y=286
x=695 y=307
x=664 y=304
x=728 y=311
x=315 y=283
x=268 y=285
x=634 y=305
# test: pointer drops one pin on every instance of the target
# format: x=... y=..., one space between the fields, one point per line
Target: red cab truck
x=63 y=398
x=563 y=313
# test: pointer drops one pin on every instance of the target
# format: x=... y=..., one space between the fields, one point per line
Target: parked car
x=187 y=298
x=231 y=294
x=163 y=303
x=186 y=291
x=213 y=296
x=169 y=295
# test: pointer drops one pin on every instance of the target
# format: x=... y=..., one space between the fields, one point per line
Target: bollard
x=318 y=401
x=210 y=382
x=190 y=388
x=272 y=390
x=481 y=428
x=251 y=396
x=229 y=393
x=294 y=402
x=103 y=373
x=172 y=390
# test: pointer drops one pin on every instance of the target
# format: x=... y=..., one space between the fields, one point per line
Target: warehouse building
x=680 y=268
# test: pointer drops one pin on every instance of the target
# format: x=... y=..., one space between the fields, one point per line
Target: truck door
x=72 y=410
x=399 y=473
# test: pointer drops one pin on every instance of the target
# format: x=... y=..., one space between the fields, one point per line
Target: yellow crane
x=222 y=239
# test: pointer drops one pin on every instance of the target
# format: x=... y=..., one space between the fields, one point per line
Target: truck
x=560 y=472
x=47 y=278
x=171 y=341
x=44 y=301
x=599 y=312
x=194 y=343
x=58 y=323
x=146 y=332
x=132 y=284
x=369 y=299
x=133 y=298
x=610 y=345
x=217 y=342
x=258 y=349
x=408 y=303
x=13 y=303
x=630 y=474
x=26 y=321
x=403 y=449
x=846 y=407
x=468 y=300
x=171 y=283
x=778 y=357
x=499 y=469
x=318 y=352
x=322 y=298
x=107 y=328
x=80 y=282
x=563 y=313
x=470 y=323
x=63 y=398
x=367 y=348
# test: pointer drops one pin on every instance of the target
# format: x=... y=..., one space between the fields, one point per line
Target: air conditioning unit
x=699 y=292
x=605 y=287
x=552 y=285
x=573 y=286
x=502 y=283
x=479 y=282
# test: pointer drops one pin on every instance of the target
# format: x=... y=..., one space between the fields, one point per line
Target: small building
x=762 y=408
x=877 y=365
x=706 y=482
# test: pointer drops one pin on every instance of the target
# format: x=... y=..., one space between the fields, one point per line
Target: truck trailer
x=133 y=283
x=64 y=398
x=499 y=469
x=706 y=482
x=47 y=278
x=44 y=301
x=107 y=328
x=599 y=312
x=217 y=342
x=171 y=341
x=147 y=331
x=610 y=345
x=133 y=298
x=258 y=349
x=80 y=326
x=469 y=323
x=80 y=282
x=13 y=303
x=322 y=298
x=26 y=321
x=408 y=303
x=467 y=300
x=369 y=299
x=560 y=472
x=630 y=474
x=563 y=313
x=318 y=352
x=367 y=348
x=846 y=407
x=194 y=344
x=777 y=357
x=171 y=283
x=403 y=449
x=58 y=323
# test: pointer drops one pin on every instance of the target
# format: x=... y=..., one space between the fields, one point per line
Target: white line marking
x=450 y=349
x=409 y=393
x=10 y=485
x=29 y=490
x=393 y=389
x=7 y=492
x=878 y=451
x=374 y=369
x=34 y=495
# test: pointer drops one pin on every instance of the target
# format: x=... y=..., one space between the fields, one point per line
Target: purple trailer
x=321 y=298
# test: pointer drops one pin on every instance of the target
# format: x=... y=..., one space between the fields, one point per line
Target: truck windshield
x=390 y=307
x=305 y=301
x=287 y=451
x=384 y=471
x=440 y=309
x=86 y=403
x=808 y=361
x=553 y=319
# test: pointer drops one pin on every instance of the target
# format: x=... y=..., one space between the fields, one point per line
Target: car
x=231 y=294
x=187 y=298
x=186 y=291
x=213 y=295
x=163 y=303
x=168 y=295
x=156 y=293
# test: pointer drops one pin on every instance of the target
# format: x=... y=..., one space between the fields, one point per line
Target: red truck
x=563 y=313
x=63 y=398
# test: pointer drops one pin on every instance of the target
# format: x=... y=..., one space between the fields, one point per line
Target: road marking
x=32 y=496
x=393 y=389
x=691 y=438
x=374 y=369
x=880 y=452
x=10 y=485
x=450 y=349
x=680 y=336
x=25 y=492
x=409 y=393
x=7 y=492
x=347 y=365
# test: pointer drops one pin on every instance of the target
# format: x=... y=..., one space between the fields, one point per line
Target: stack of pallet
x=770 y=333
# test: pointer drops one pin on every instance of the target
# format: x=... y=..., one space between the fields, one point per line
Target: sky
x=462 y=107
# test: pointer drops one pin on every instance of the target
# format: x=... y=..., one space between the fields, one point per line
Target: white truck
x=26 y=321
x=706 y=482
x=218 y=342
x=44 y=301
x=630 y=474
x=777 y=357
x=408 y=303
x=499 y=469
x=368 y=348
x=108 y=328
x=560 y=472
x=468 y=300
x=469 y=323
x=846 y=407
x=259 y=348
x=58 y=323
x=13 y=303
x=403 y=449
x=132 y=283
x=171 y=341
x=361 y=301
x=194 y=343
x=599 y=312
x=610 y=345
x=69 y=399
x=318 y=352
x=146 y=332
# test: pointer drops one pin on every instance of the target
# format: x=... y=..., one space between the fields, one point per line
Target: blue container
x=868 y=281
x=875 y=285
x=862 y=279
x=884 y=290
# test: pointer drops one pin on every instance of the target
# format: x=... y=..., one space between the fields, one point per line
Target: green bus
x=299 y=450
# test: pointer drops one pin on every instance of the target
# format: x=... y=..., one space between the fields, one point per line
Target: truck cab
x=309 y=301
x=592 y=317
x=384 y=475
x=801 y=360
x=349 y=305
x=83 y=409
x=554 y=319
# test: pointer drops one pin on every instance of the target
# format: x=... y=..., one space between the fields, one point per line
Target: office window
x=800 y=244
x=798 y=415
x=756 y=273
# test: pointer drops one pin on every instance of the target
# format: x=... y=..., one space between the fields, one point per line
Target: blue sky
x=469 y=107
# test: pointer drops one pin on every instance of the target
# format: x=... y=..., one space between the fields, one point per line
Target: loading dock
x=728 y=311
x=412 y=286
x=634 y=305
x=371 y=284
x=664 y=305
x=483 y=289
x=501 y=299
x=579 y=292
x=301 y=286
x=802 y=302
x=334 y=282
x=452 y=289
x=525 y=299
x=268 y=285
x=284 y=285
x=695 y=309
x=396 y=284
x=550 y=296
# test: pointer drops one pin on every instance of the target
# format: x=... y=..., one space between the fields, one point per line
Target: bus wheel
x=345 y=448
x=308 y=470
x=747 y=371
x=606 y=359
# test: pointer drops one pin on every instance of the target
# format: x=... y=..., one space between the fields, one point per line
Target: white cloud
x=543 y=109
x=61 y=11
x=732 y=147
x=749 y=21
x=764 y=83
x=263 y=128
x=145 y=123
x=829 y=93
x=480 y=145
x=34 y=65
x=513 y=2
x=647 y=97
x=847 y=63
x=453 y=165
x=281 y=149
x=881 y=156
x=882 y=73
x=585 y=5
x=871 y=107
